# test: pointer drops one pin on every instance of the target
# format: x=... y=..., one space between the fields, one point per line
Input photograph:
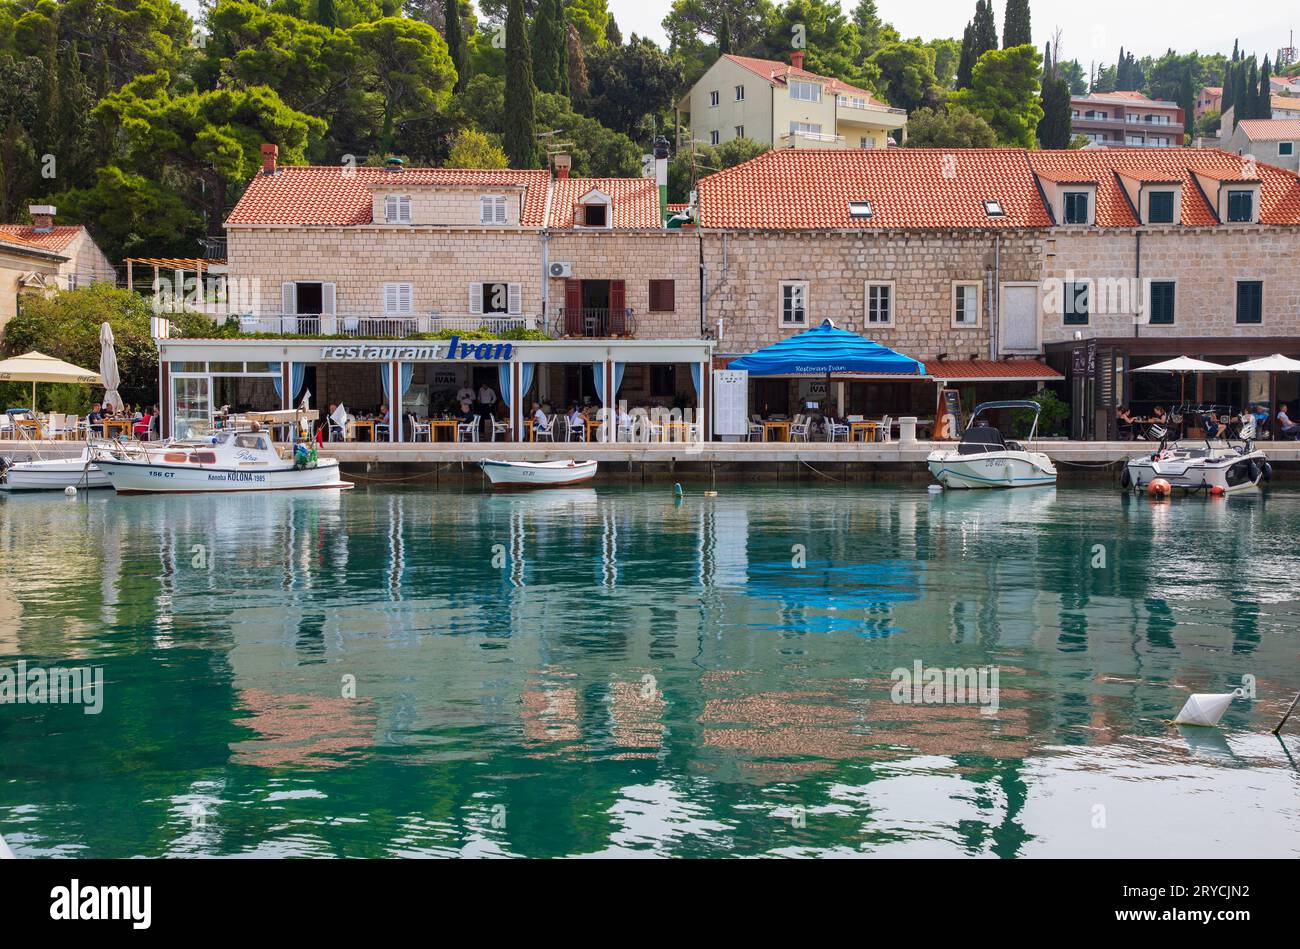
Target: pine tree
x=327 y=14
x=985 y=31
x=724 y=34
x=577 y=67
x=964 y=63
x=547 y=36
x=1015 y=24
x=454 y=34
x=520 y=115
x=613 y=35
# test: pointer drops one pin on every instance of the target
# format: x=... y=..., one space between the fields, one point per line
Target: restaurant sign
x=456 y=349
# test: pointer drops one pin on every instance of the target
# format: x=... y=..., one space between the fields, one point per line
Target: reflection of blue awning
x=825 y=350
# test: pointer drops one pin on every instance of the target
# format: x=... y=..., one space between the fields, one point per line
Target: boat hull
x=552 y=474
x=53 y=475
x=1001 y=469
x=1231 y=473
x=141 y=477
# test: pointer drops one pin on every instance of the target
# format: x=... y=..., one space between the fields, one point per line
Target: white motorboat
x=1229 y=468
x=53 y=474
x=537 y=474
x=226 y=461
x=984 y=459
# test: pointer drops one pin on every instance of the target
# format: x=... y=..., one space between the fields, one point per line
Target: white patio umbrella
x=1183 y=365
x=37 y=367
x=1272 y=365
x=108 y=368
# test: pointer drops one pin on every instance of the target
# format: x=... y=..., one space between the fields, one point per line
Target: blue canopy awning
x=826 y=350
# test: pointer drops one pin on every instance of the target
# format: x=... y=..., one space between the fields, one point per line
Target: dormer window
x=492 y=209
x=805 y=91
x=1241 y=207
x=595 y=215
x=1076 y=207
x=1160 y=207
x=994 y=209
x=397 y=209
x=593 y=210
x=860 y=210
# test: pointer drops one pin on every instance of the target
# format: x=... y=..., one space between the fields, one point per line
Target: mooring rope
x=826 y=476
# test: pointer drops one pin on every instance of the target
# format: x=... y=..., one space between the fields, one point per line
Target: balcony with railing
x=386 y=326
x=593 y=322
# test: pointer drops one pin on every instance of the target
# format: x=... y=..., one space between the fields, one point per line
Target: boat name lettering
x=236 y=476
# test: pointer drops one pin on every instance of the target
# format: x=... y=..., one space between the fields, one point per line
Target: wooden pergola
x=199 y=265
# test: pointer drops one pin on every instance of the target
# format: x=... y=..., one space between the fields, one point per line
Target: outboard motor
x=5 y=465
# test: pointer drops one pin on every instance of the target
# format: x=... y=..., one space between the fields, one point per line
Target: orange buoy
x=1217 y=491
x=1159 y=488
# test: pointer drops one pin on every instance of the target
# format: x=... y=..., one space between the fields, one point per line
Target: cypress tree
x=724 y=34
x=545 y=46
x=965 y=63
x=327 y=14
x=454 y=34
x=577 y=67
x=613 y=35
x=1054 y=128
x=1248 y=96
x=985 y=31
x=520 y=118
x=1229 y=77
x=1015 y=24
x=1265 y=108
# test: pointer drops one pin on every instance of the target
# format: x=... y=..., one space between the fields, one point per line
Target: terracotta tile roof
x=1271 y=130
x=912 y=188
x=1213 y=90
x=1282 y=103
x=1150 y=175
x=678 y=207
x=55 y=239
x=634 y=201
x=14 y=243
x=1280 y=193
x=332 y=195
x=777 y=73
x=987 y=369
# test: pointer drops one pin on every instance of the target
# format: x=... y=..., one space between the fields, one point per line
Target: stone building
x=84 y=262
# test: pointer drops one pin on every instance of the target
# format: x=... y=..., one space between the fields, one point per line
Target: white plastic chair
x=886 y=429
x=800 y=428
x=756 y=430
x=55 y=426
x=627 y=429
x=418 y=428
x=836 y=430
x=500 y=428
x=467 y=431
x=576 y=432
x=546 y=430
x=651 y=431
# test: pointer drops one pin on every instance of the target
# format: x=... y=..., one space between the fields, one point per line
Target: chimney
x=269 y=154
x=796 y=58
x=563 y=162
x=42 y=217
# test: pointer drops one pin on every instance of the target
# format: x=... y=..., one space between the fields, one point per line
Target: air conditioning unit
x=561 y=270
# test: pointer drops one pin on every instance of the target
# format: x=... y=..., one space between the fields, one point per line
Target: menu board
x=730 y=402
x=947 y=417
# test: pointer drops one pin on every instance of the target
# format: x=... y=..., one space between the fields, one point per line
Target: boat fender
x=1267 y=471
x=677 y=490
x=1125 y=479
x=1253 y=468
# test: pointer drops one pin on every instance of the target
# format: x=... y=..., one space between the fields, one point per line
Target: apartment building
x=1127 y=119
x=784 y=105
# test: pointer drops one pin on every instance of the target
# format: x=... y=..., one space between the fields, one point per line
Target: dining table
x=864 y=431
x=116 y=426
x=358 y=424
x=439 y=425
x=776 y=430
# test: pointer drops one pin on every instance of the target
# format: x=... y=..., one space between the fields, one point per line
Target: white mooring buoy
x=1205 y=708
x=70 y=491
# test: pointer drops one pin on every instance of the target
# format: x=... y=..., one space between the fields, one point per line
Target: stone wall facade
x=745 y=271
x=1203 y=263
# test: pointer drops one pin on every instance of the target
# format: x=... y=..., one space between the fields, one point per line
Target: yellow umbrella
x=37 y=367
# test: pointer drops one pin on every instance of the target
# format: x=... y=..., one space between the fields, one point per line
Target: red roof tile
x=777 y=74
x=987 y=369
x=909 y=188
x=333 y=195
x=634 y=201
x=1271 y=130
x=1280 y=194
x=55 y=239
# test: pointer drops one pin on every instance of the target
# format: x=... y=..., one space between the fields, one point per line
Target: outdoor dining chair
x=419 y=429
x=500 y=428
x=886 y=429
x=468 y=431
x=836 y=430
x=756 y=430
x=544 y=430
x=800 y=428
x=575 y=431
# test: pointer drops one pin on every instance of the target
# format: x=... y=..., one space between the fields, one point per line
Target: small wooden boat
x=538 y=474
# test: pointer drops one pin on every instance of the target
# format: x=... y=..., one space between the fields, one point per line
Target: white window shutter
x=327 y=298
x=515 y=297
x=476 y=298
x=404 y=297
x=485 y=210
x=288 y=298
x=390 y=208
x=501 y=210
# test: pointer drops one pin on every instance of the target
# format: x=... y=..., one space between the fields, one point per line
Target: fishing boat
x=1214 y=469
x=235 y=460
x=53 y=474
x=984 y=459
x=537 y=474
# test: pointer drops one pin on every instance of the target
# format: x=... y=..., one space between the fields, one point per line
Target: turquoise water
x=394 y=672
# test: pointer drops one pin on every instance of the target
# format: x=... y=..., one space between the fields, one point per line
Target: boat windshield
x=979 y=439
